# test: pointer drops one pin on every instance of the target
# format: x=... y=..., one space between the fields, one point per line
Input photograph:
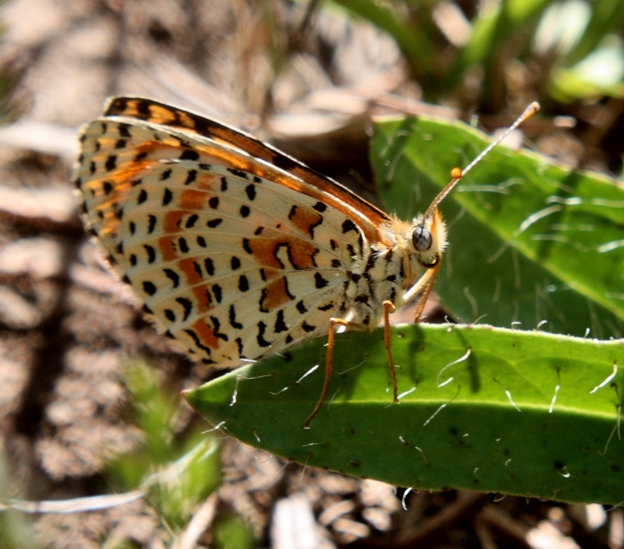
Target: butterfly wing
x=369 y=217
x=234 y=256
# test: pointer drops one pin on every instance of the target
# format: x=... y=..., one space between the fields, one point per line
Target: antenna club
x=532 y=109
x=456 y=173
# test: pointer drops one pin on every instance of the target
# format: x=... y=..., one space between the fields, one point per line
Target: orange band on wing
x=205 y=334
x=275 y=295
x=299 y=252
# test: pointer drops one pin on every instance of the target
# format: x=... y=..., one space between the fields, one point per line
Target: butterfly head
x=427 y=238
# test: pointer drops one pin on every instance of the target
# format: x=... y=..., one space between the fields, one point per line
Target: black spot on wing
x=347 y=226
x=183 y=245
x=124 y=130
x=243 y=283
x=232 y=319
x=151 y=253
x=173 y=276
x=111 y=163
x=216 y=326
x=209 y=266
x=217 y=292
x=191 y=176
x=238 y=173
x=250 y=191
x=186 y=305
x=280 y=325
x=149 y=288
x=319 y=281
x=189 y=154
x=260 y=337
x=190 y=222
x=198 y=342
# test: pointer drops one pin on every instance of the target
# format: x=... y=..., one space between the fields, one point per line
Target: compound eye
x=421 y=239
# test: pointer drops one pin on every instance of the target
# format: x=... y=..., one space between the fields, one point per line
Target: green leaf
x=529 y=240
x=484 y=409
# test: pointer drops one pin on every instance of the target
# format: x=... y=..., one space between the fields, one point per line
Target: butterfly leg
x=389 y=308
x=329 y=364
x=423 y=287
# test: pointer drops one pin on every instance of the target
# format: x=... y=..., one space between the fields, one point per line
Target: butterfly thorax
x=389 y=267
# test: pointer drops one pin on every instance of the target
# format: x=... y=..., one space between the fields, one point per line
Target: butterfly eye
x=421 y=239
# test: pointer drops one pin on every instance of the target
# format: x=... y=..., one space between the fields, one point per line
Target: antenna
x=457 y=173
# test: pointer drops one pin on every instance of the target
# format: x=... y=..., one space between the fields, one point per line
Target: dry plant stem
x=495 y=516
x=484 y=534
x=443 y=519
x=201 y=521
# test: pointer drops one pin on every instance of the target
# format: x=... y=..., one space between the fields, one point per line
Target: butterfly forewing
x=140 y=109
x=237 y=258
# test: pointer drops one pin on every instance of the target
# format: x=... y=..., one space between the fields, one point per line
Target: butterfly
x=237 y=250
